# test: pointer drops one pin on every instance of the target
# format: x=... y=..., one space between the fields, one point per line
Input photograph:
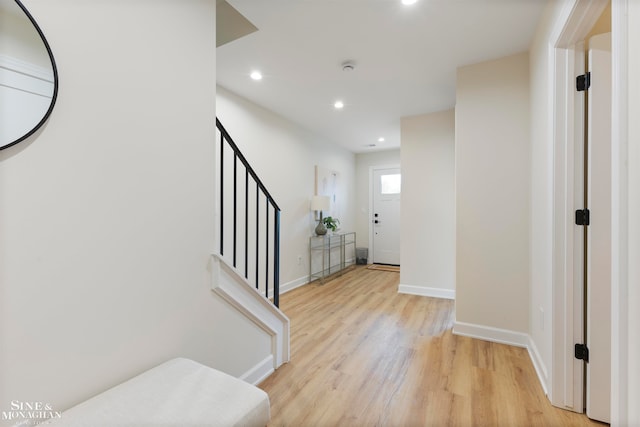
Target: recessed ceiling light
x=408 y=2
x=381 y=139
x=256 y=75
x=338 y=105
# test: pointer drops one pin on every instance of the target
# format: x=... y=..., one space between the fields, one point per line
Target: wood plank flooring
x=364 y=355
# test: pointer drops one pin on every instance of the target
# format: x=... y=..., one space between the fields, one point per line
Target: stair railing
x=250 y=235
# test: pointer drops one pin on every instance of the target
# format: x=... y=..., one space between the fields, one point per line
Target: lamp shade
x=320 y=203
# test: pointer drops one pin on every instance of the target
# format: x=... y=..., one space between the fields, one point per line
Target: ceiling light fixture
x=338 y=105
x=256 y=75
x=409 y=2
x=381 y=139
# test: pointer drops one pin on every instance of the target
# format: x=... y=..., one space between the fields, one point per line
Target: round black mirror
x=28 y=74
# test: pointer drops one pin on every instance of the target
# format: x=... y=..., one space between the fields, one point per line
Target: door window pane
x=390 y=184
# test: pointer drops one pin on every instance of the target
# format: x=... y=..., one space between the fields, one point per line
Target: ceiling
x=405 y=59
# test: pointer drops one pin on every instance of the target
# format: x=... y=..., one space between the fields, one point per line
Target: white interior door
x=386 y=216
x=599 y=230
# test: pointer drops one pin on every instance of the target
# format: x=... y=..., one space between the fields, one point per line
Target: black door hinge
x=583 y=82
x=581 y=352
x=582 y=217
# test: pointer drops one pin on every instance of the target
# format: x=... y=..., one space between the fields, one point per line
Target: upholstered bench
x=180 y=392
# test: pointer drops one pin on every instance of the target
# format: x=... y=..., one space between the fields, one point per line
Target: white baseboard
x=304 y=280
x=289 y=286
x=427 y=292
x=488 y=333
x=505 y=336
x=538 y=365
x=260 y=372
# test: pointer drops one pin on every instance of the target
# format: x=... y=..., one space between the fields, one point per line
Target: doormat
x=379 y=267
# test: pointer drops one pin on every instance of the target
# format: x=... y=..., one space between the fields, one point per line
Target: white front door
x=599 y=229
x=386 y=216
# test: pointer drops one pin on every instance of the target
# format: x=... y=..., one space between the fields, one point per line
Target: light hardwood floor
x=364 y=355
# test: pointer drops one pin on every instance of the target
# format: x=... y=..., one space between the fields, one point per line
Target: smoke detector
x=348 y=66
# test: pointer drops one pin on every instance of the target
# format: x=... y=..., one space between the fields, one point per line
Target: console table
x=330 y=254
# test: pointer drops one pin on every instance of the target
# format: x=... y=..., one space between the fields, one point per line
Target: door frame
x=598 y=383
x=625 y=204
x=566 y=387
x=370 y=213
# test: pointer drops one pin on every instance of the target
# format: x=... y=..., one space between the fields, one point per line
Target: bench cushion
x=180 y=392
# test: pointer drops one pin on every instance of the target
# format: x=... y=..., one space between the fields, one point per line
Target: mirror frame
x=55 y=80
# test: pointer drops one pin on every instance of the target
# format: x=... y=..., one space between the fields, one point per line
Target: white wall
x=106 y=223
x=541 y=155
x=428 y=205
x=364 y=162
x=492 y=194
x=284 y=156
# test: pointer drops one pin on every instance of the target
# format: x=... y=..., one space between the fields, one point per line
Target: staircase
x=249 y=232
x=246 y=268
